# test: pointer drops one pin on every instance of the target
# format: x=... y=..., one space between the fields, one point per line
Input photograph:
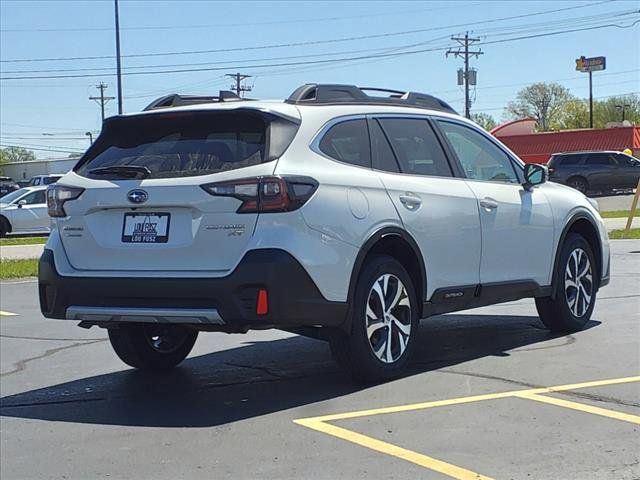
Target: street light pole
x=118 y=69
x=90 y=135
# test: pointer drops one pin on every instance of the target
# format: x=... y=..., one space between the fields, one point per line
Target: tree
x=16 y=154
x=574 y=113
x=605 y=111
x=485 y=120
x=542 y=101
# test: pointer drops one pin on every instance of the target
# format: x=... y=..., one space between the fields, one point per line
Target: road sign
x=592 y=64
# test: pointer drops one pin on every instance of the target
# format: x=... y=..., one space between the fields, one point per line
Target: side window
x=35 y=198
x=383 y=157
x=36 y=181
x=570 y=160
x=348 y=142
x=598 y=159
x=481 y=159
x=416 y=147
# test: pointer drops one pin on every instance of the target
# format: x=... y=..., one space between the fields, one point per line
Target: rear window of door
x=187 y=144
x=416 y=147
x=600 y=159
x=348 y=142
x=480 y=158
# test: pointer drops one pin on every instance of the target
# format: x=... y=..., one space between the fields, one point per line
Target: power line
x=598 y=19
x=312 y=42
x=40 y=149
x=244 y=24
x=316 y=62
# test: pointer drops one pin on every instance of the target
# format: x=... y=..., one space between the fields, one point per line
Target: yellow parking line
x=582 y=407
x=320 y=423
x=390 y=449
x=7 y=314
x=475 y=398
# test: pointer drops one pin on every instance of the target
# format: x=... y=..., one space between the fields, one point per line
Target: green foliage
x=16 y=154
x=622 y=234
x=555 y=108
x=542 y=101
x=18 y=268
x=485 y=120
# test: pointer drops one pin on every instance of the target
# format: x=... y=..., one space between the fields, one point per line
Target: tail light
x=266 y=194
x=58 y=195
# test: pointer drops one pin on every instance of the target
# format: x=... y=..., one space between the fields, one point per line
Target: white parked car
x=334 y=214
x=24 y=211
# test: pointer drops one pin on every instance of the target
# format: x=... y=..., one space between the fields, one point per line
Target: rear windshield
x=182 y=144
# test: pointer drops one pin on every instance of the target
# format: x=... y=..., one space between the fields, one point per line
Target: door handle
x=410 y=201
x=489 y=203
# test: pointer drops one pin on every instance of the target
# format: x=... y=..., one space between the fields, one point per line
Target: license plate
x=146 y=227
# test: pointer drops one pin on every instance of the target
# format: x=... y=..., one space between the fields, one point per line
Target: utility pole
x=101 y=100
x=118 y=69
x=238 y=77
x=469 y=76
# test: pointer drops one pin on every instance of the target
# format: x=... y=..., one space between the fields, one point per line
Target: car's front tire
x=576 y=287
x=579 y=184
x=152 y=346
x=384 y=323
x=5 y=227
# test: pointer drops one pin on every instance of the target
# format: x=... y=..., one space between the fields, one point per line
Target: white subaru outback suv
x=335 y=214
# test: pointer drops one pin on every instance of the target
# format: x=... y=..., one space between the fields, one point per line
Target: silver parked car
x=25 y=211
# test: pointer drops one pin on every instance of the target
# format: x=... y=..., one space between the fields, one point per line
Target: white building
x=23 y=171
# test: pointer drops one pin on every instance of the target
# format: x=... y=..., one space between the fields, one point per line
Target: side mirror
x=534 y=174
x=21 y=203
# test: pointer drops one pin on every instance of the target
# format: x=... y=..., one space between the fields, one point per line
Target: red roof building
x=533 y=147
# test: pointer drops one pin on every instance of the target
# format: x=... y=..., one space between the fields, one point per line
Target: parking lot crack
x=567 y=393
x=20 y=365
x=266 y=370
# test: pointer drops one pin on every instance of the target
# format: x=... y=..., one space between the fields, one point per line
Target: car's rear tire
x=4 y=227
x=575 y=291
x=579 y=184
x=152 y=346
x=384 y=323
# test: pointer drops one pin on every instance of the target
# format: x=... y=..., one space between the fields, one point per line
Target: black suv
x=595 y=171
x=7 y=185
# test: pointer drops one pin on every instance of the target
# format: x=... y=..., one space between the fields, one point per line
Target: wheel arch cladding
x=399 y=245
x=583 y=225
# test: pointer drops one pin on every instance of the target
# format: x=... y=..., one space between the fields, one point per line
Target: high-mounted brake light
x=266 y=194
x=58 y=195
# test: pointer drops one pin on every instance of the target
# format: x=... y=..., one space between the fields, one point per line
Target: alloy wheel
x=578 y=282
x=388 y=318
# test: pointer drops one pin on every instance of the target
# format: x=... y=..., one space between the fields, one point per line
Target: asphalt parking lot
x=490 y=395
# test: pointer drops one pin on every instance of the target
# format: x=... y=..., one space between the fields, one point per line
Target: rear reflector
x=262 y=305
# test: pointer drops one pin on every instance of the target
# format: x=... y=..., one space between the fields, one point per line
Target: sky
x=403 y=48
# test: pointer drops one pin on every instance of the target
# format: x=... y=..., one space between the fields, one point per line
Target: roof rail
x=318 y=94
x=175 y=100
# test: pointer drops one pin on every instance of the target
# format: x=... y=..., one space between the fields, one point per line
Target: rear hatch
x=143 y=208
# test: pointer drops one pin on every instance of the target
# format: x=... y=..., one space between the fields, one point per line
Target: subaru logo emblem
x=137 y=196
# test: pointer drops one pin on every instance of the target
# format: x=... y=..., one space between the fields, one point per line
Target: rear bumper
x=294 y=299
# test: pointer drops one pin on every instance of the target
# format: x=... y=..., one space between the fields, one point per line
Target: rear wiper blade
x=128 y=171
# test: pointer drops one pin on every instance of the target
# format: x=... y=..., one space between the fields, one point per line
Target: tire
x=356 y=351
x=4 y=227
x=579 y=184
x=571 y=308
x=153 y=346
